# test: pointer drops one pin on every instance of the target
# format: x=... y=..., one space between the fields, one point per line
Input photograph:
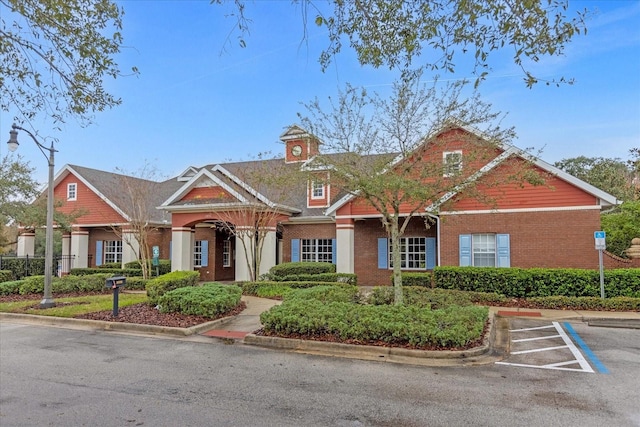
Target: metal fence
x=24 y=266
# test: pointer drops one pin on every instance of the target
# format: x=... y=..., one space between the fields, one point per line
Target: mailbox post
x=115 y=283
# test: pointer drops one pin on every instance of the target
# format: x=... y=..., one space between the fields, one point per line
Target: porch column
x=26 y=244
x=67 y=263
x=181 y=249
x=345 y=245
x=268 y=256
x=130 y=247
x=80 y=248
x=243 y=259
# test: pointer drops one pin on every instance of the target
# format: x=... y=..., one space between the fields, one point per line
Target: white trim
x=75 y=191
x=492 y=211
x=310 y=220
x=184 y=190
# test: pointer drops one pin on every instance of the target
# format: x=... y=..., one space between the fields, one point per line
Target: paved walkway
x=246 y=322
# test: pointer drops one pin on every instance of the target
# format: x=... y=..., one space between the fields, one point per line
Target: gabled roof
x=508 y=150
x=102 y=183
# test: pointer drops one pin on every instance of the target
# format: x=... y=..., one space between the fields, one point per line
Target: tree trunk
x=398 y=296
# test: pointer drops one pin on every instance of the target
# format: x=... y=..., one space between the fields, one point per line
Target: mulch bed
x=142 y=313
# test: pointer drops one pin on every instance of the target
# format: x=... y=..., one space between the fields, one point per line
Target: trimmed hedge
x=168 y=282
x=348 y=278
x=10 y=288
x=127 y=272
x=585 y=303
x=65 y=284
x=252 y=288
x=209 y=300
x=326 y=294
x=6 y=275
x=23 y=266
x=296 y=268
x=164 y=266
x=434 y=298
x=539 y=282
x=403 y=325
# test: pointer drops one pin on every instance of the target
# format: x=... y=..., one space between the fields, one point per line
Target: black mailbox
x=116 y=282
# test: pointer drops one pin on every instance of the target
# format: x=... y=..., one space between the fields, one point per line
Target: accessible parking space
x=545 y=344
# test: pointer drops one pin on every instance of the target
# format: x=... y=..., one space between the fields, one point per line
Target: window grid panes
x=197 y=254
x=317 y=250
x=112 y=251
x=452 y=163
x=226 y=253
x=71 y=191
x=317 y=190
x=413 y=252
x=484 y=250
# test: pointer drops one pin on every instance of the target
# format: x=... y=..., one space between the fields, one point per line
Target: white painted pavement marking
x=579 y=359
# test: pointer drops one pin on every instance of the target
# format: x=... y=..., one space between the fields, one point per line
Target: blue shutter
x=333 y=251
x=504 y=250
x=431 y=253
x=204 y=256
x=465 y=250
x=98 y=253
x=295 y=250
x=383 y=252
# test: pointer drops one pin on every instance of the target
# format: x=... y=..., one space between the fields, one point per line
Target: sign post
x=601 y=244
x=156 y=258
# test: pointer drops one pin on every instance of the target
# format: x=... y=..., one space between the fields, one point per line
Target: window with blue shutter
x=204 y=255
x=465 y=250
x=383 y=252
x=334 y=259
x=503 y=258
x=295 y=250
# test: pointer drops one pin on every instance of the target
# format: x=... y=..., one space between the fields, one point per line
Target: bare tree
x=389 y=152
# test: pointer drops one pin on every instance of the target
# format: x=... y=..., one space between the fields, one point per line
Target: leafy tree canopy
x=614 y=176
x=433 y=34
x=55 y=55
x=621 y=227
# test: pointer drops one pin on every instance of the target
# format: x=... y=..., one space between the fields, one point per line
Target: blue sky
x=194 y=103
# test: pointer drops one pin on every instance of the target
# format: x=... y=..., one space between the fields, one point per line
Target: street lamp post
x=47 y=300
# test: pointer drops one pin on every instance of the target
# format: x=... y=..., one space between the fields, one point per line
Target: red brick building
x=196 y=218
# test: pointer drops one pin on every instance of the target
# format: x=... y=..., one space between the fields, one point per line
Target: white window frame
x=413 y=253
x=317 y=190
x=72 y=191
x=316 y=250
x=112 y=251
x=197 y=253
x=484 y=246
x=451 y=168
x=226 y=253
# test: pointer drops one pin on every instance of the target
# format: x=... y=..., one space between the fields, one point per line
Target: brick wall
x=305 y=231
x=551 y=239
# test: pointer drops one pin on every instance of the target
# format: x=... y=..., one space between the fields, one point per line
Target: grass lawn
x=71 y=307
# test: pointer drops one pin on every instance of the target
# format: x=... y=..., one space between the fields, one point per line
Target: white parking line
x=561 y=366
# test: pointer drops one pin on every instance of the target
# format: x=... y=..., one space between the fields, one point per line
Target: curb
x=103 y=325
x=613 y=323
x=493 y=348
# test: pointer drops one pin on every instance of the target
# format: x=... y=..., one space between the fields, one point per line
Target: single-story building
x=195 y=219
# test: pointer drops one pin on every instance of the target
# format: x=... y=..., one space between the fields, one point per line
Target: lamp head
x=12 y=143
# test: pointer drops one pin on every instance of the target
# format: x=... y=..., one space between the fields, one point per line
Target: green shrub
x=6 y=275
x=416 y=279
x=167 y=282
x=32 y=285
x=538 y=282
x=88 y=283
x=272 y=291
x=586 y=303
x=403 y=325
x=348 y=278
x=136 y=283
x=117 y=265
x=10 y=288
x=326 y=294
x=23 y=266
x=295 y=268
x=164 y=266
x=208 y=300
x=127 y=272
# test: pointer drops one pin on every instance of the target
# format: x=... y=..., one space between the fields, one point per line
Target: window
x=485 y=250
x=317 y=190
x=452 y=163
x=72 y=190
x=413 y=252
x=317 y=250
x=201 y=253
x=112 y=251
x=226 y=253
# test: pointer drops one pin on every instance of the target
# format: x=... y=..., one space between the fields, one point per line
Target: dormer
x=300 y=146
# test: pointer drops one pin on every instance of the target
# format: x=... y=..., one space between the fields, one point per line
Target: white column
x=181 y=249
x=130 y=247
x=268 y=255
x=26 y=244
x=80 y=248
x=345 y=248
x=242 y=266
x=67 y=264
